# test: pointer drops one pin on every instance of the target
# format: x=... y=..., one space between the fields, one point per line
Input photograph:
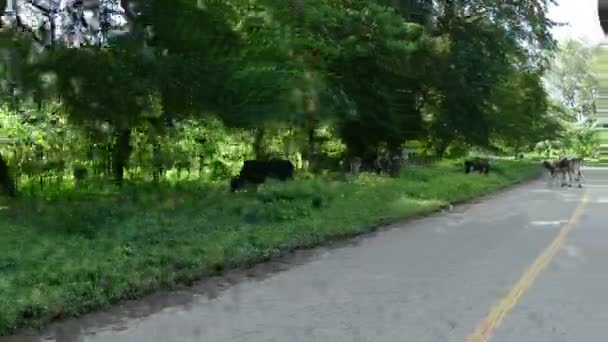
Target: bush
x=219 y=170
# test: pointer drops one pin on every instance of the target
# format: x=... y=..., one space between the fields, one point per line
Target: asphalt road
x=524 y=265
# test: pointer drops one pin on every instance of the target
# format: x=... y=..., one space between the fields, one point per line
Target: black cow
x=382 y=164
x=478 y=164
x=6 y=181
x=256 y=172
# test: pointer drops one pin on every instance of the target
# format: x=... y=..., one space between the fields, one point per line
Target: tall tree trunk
x=107 y=159
x=120 y=155
x=312 y=165
x=201 y=165
x=258 y=144
x=158 y=165
x=440 y=149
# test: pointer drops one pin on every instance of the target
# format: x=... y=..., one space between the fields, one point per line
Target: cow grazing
x=256 y=172
x=355 y=165
x=551 y=167
x=566 y=166
x=477 y=165
x=382 y=164
x=396 y=165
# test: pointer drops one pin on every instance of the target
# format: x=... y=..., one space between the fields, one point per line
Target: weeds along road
x=524 y=265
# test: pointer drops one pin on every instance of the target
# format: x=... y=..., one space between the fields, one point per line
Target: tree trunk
x=312 y=153
x=258 y=144
x=201 y=161
x=107 y=159
x=440 y=149
x=158 y=166
x=120 y=155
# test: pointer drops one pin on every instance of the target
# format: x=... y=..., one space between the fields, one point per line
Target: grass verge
x=77 y=251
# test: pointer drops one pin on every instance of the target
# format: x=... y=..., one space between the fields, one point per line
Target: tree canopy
x=377 y=74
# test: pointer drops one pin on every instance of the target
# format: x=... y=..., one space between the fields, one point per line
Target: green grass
x=74 y=252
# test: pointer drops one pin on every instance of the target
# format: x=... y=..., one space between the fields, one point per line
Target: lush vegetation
x=449 y=76
x=573 y=90
x=98 y=122
x=65 y=256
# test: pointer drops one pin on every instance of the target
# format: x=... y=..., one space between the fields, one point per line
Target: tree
x=347 y=42
x=66 y=22
x=102 y=86
x=570 y=80
x=573 y=90
x=376 y=73
x=521 y=115
x=485 y=44
x=479 y=58
x=169 y=65
x=525 y=20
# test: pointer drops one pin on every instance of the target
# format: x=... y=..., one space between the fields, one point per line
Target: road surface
x=525 y=265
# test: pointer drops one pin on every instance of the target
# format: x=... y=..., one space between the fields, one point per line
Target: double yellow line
x=487 y=326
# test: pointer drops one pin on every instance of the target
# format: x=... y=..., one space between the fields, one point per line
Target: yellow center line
x=487 y=326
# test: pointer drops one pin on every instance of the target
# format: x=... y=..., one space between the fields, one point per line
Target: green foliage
x=583 y=140
x=379 y=73
x=104 y=86
x=573 y=89
x=522 y=117
x=481 y=57
x=362 y=40
x=571 y=81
